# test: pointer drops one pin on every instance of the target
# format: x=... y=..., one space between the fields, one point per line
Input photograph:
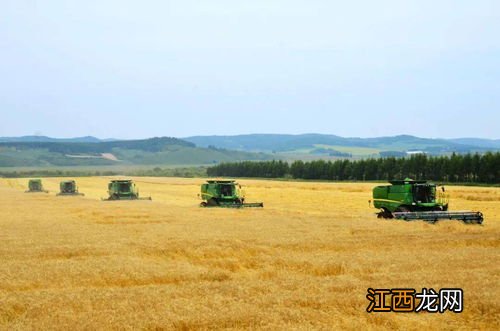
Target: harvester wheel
x=203 y=204
x=212 y=202
x=384 y=213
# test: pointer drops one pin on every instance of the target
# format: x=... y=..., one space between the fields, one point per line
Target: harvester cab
x=224 y=193
x=68 y=187
x=410 y=199
x=35 y=186
x=123 y=190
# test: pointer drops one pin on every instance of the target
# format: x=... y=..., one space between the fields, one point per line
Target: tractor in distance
x=410 y=199
x=123 y=189
x=68 y=187
x=224 y=193
x=35 y=186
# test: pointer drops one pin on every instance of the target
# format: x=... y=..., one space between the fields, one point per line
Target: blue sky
x=135 y=69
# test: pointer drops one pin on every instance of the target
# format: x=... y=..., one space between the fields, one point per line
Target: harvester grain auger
x=224 y=193
x=123 y=190
x=68 y=188
x=411 y=200
x=35 y=186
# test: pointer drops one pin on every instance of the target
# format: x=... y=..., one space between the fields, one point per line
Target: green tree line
x=459 y=168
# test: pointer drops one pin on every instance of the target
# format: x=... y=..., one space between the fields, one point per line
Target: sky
x=137 y=69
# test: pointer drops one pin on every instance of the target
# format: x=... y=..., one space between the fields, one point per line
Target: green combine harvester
x=123 y=189
x=418 y=200
x=68 y=188
x=224 y=193
x=35 y=186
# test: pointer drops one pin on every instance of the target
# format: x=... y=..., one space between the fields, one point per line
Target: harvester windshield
x=227 y=190
x=68 y=186
x=35 y=185
x=424 y=193
x=124 y=187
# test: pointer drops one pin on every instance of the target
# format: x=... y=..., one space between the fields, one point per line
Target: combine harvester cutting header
x=224 y=193
x=418 y=200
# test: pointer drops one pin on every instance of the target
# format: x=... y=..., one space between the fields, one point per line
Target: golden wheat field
x=305 y=261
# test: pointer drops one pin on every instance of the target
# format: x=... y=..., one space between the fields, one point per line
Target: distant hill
x=308 y=145
x=40 y=151
x=87 y=139
x=154 y=151
x=485 y=143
